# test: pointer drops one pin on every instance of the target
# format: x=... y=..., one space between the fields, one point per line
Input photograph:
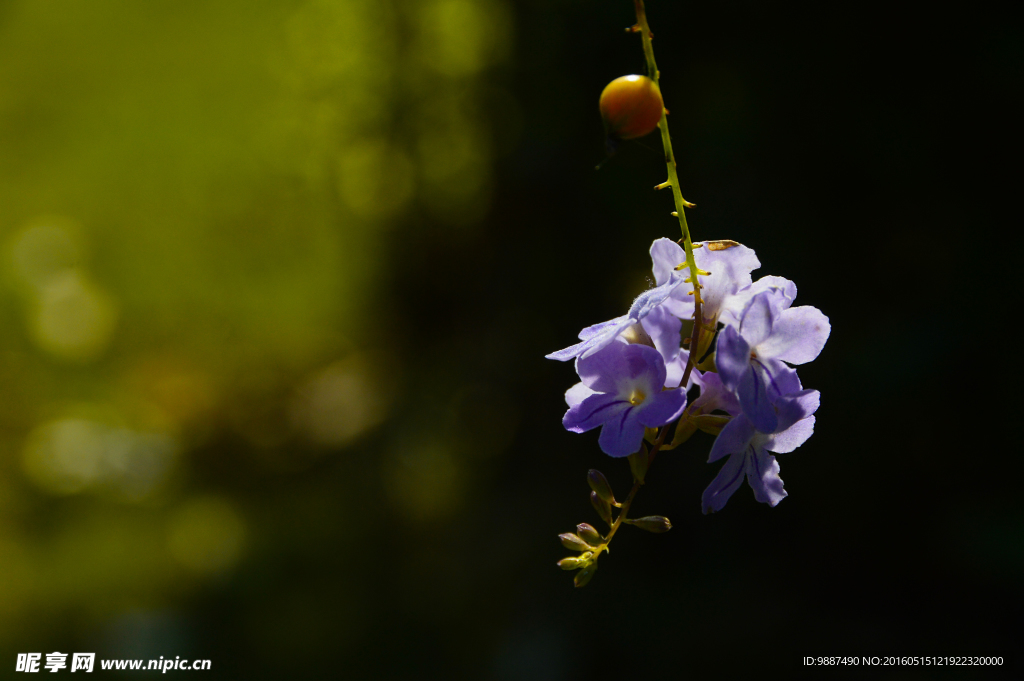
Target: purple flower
x=600 y=335
x=621 y=391
x=714 y=396
x=734 y=305
x=748 y=450
x=729 y=263
x=750 y=356
x=663 y=328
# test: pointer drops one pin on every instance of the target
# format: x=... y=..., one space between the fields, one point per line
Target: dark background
x=862 y=151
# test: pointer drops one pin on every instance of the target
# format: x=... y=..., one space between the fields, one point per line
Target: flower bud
x=653 y=523
x=600 y=485
x=569 y=563
x=589 y=534
x=584 y=575
x=602 y=507
x=574 y=542
x=631 y=106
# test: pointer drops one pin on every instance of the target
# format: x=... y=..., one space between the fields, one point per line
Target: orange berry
x=631 y=106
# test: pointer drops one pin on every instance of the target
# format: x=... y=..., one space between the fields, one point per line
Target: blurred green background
x=276 y=283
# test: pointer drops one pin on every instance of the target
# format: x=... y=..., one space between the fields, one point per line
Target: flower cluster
x=631 y=368
x=649 y=390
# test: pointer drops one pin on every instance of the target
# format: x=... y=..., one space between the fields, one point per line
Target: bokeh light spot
x=44 y=249
x=65 y=456
x=72 y=317
x=425 y=482
x=342 y=401
x=206 y=535
x=460 y=37
x=453 y=156
x=69 y=455
x=376 y=179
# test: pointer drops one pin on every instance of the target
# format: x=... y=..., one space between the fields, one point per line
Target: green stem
x=632 y=494
x=677 y=194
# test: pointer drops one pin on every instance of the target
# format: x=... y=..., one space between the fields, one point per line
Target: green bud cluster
x=587 y=540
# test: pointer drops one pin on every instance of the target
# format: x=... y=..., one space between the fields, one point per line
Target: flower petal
x=577 y=394
x=664 y=407
x=730 y=271
x=602 y=370
x=792 y=437
x=758 y=318
x=795 y=407
x=597 y=329
x=674 y=371
x=763 y=477
x=784 y=379
x=725 y=483
x=565 y=354
x=732 y=357
x=798 y=336
x=593 y=412
x=753 y=393
x=651 y=298
x=664 y=329
x=714 y=395
x=594 y=338
x=733 y=306
x=622 y=435
x=735 y=437
x=666 y=255
x=622 y=368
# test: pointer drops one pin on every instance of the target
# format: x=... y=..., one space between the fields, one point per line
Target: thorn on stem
x=664 y=185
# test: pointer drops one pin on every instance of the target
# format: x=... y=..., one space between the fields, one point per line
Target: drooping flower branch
x=635 y=374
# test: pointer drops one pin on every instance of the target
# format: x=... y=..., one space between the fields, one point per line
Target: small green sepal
x=684 y=430
x=710 y=423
